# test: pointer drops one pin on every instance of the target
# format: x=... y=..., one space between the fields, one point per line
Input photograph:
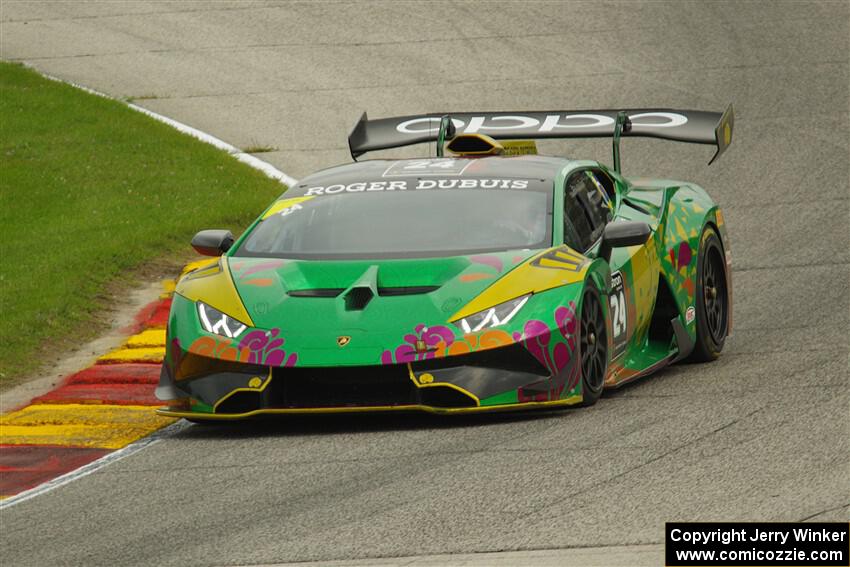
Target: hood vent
x=318 y=292
x=361 y=292
x=358 y=298
x=407 y=290
x=382 y=291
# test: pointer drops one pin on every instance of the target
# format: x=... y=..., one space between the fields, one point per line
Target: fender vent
x=358 y=298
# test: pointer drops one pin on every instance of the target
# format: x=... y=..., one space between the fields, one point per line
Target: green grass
x=139 y=98
x=258 y=149
x=91 y=191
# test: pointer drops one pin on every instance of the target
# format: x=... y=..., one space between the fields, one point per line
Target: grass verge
x=91 y=191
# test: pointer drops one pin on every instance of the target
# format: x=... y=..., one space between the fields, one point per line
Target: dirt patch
x=122 y=300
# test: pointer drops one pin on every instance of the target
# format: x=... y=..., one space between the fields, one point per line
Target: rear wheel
x=712 y=299
x=593 y=347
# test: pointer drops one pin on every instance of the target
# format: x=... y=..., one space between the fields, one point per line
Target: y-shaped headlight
x=214 y=321
x=493 y=317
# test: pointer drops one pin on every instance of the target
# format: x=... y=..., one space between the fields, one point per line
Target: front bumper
x=500 y=379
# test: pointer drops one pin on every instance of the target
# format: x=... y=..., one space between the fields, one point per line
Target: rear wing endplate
x=692 y=126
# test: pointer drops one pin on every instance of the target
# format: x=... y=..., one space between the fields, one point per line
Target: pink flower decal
x=255 y=341
x=565 y=318
x=537 y=339
x=276 y=358
x=266 y=348
x=432 y=337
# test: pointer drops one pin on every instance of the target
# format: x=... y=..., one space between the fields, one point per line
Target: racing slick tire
x=712 y=299
x=593 y=347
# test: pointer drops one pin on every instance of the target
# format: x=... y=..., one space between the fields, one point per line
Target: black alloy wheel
x=714 y=296
x=712 y=299
x=594 y=347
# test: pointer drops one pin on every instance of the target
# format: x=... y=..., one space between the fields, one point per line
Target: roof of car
x=533 y=167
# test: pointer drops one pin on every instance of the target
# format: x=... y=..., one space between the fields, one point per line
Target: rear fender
x=687 y=211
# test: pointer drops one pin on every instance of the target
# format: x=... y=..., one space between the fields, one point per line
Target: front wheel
x=594 y=347
x=712 y=299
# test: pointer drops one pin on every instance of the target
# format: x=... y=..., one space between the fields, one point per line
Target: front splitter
x=200 y=416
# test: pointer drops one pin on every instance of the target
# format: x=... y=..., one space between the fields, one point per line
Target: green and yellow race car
x=485 y=278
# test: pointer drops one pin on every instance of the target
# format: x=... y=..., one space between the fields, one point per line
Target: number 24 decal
x=618 y=313
x=431 y=164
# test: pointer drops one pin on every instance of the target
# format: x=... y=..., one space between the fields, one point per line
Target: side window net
x=578 y=225
x=605 y=183
x=587 y=209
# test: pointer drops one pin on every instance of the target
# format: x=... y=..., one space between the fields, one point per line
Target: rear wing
x=692 y=126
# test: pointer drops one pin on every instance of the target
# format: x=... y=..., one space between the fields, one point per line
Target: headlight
x=214 y=321
x=493 y=317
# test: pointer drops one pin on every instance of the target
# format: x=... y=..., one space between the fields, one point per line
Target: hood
x=370 y=303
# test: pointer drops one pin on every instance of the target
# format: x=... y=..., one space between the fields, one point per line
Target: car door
x=588 y=207
x=634 y=279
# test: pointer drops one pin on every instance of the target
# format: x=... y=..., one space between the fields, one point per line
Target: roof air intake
x=474 y=145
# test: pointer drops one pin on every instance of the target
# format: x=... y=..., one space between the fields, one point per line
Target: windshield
x=405 y=224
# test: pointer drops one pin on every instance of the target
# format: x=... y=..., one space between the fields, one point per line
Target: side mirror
x=622 y=234
x=212 y=242
x=451 y=130
x=447 y=132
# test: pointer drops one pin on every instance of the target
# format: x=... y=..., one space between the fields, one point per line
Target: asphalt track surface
x=761 y=434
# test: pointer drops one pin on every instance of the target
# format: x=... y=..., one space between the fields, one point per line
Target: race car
x=486 y=278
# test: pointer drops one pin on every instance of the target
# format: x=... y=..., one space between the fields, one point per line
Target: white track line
x=248 y=159
x=136 y=446
x=93 y=466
